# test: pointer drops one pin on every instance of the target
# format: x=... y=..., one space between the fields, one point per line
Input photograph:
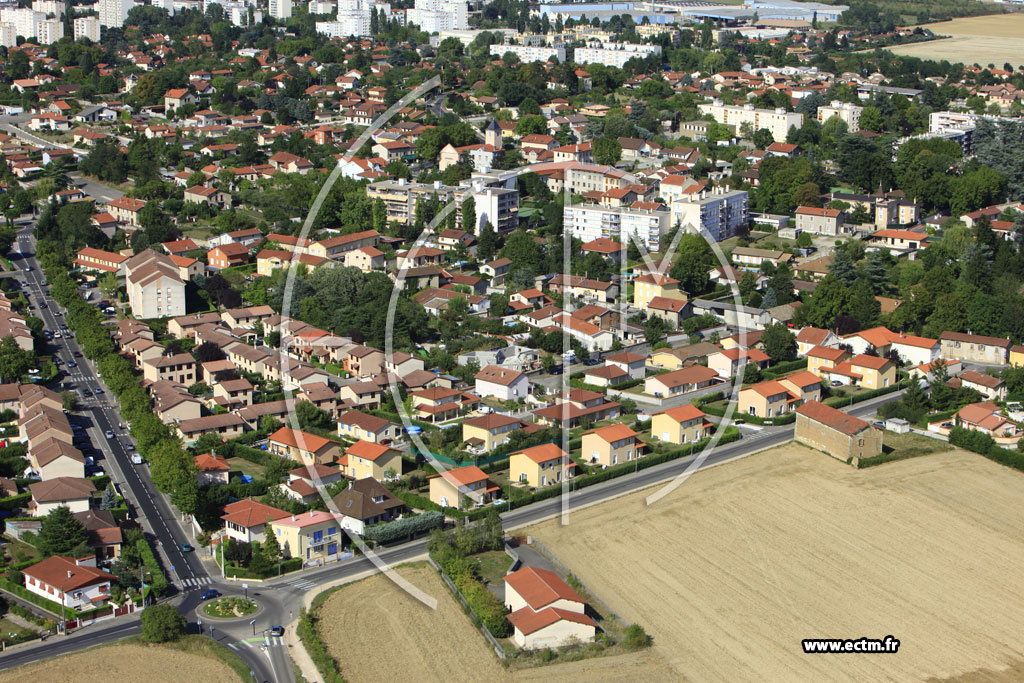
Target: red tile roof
x=832 y=418
x=540 y=587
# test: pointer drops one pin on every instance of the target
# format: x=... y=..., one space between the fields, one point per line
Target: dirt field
x=442 y=645
x=746 y=559
x=994 y=39
x=152 y=664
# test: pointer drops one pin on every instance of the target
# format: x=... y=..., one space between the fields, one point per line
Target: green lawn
x=19 y=551
x=246 y=467
x=493 y=564
x=12 y=633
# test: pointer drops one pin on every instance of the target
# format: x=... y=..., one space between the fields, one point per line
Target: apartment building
x=113 y=13
x=98 y=260
x=847 y=113
x=777 y=121
x=155 y=286
x=613 y=54
x=532 y=53
x=434 y=16
x=87 y=27
x=590 y=222
x=718 y=212
x=400 y=196
x=497 y=206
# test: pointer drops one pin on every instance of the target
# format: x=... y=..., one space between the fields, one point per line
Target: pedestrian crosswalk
x=301 y=584
x=196 y=582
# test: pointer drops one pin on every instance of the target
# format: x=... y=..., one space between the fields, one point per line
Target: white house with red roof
x=545 y=611
x=71 y=582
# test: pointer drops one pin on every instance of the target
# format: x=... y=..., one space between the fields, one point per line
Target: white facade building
x=498 y=206
x=49 y=7
x=532 y=53
x=434 y=16
x=589 y=222
x=353 y=18
x=8 y=36
x=720 y=212
x=777 y=121
x=114 y=12
x=613 y=54
x=87 y=27
x=280 y=9
x=848 y=113
x=27 y=23
x=322 y=7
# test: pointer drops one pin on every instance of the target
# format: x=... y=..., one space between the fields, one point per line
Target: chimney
x=293 y=518
x=69 y=573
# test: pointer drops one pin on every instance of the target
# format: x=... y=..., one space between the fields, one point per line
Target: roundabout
x=229 y=608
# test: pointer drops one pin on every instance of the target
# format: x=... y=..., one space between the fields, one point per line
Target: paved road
x=99 y=413
x=98 y=191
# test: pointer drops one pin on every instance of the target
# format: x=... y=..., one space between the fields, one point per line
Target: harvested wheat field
x=994 y=39
x=128 y=662
x=742 y=561
x=409 y=641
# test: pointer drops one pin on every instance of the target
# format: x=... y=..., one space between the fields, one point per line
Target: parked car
x=592 y=361
x=557 y=370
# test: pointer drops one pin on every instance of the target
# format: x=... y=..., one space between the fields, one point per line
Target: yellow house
x=821 y=358
x=450 y=488
x=682 y=424
x=487 y=432
x=303 y=447
x=611 y=445
x=767 y=399
x=313 y=535
x=1016 y=355
x=875 y=372
x=674 y=359
x=539 y=466
x=646 y=287
x=367 y=459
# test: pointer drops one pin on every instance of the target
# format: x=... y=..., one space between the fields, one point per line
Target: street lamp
x=253 y=624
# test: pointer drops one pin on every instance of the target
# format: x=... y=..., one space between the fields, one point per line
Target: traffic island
x=228 y=608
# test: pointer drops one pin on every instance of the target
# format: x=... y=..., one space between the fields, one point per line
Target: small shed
x=897 y=425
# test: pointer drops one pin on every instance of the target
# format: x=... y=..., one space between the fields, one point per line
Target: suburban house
x=70 y=492
x=303 y=447
x=680 y=425
x=53 y=458
x=823 y=358
x=988 y=418
x=502 y=383
x=819 y=221
x=104 y=534
x=451 y=487
x=213 y=469
x=227 y=255
x=179 y=368
x=302 y=482
x=545 y=611
x=360 y=426
x=633 y=364
x=767 y=399
x=804 y=384
x=540 y=466
x=809 y=337
x=974 y=348
x=486 y=432
x=98 y=260
x=836 y=433
x=245 y=520
x=680 y=381
x=610 y=445
x=70 y=582
x=367 y=459
x=227 y=425
x=367 y=502
x=991 y=388
x=727 y=363
x=314 y=536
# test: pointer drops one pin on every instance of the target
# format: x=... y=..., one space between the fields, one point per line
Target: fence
x=477 y=621
x=516 y=562
x=565 y=571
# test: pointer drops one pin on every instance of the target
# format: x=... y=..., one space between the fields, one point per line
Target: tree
x=69 y=400
x=271 y=548
x=162 y=624
x=763 y=138
x=779 y=342
x=309 y=416
x=488 y=244
x=807 y=194
x=109 y=500
x=607 y=151
x=830 y=300
x=60 y=532
x=14 y=361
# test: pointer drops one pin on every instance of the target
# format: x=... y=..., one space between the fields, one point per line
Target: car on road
x=28 y=269
x=97 y=391
x=277 y=630
x=72 y=364
x=86 y=393
x=186 y=547
x=42 y=304
x=209 y=594
x=136 y=459
x=77 y=354
x=110 y=434
x=592 y=361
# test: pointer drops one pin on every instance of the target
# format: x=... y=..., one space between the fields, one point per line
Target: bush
x=158 y=580
x=635 y=637
x=403 y=528
x=162 y=624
